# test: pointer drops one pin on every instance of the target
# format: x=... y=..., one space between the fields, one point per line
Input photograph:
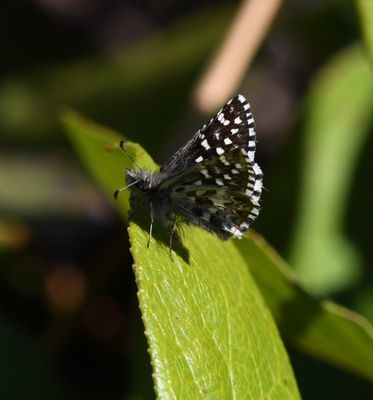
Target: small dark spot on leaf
x=108 y=147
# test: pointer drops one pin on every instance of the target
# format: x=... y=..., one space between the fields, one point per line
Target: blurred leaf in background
x=339 y=115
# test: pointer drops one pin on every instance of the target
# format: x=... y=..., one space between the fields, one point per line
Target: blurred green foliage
x=71 y=327
x=339 y=115
x=365 y=9
x=137 y=81
x=321 y=329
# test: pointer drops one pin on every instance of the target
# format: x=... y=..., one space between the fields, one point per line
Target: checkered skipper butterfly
x=212 y=181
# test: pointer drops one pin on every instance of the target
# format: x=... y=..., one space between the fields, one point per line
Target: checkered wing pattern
x=213 y=180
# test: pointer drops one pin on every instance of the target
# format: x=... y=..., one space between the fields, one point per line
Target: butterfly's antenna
x=124 y=148
x=124 y=188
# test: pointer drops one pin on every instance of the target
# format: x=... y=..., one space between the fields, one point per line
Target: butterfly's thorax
x=148 y=187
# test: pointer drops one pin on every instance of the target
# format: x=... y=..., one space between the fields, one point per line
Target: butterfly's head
x=141 y=180
x=138 y=181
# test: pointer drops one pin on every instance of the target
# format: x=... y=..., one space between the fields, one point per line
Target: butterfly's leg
x=151 y=223
x=172 y=236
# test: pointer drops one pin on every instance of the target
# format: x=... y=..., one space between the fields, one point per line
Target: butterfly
x=212 y=181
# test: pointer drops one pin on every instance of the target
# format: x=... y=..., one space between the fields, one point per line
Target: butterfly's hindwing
x=224 y=199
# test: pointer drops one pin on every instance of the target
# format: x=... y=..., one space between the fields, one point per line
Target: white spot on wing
x=238 y=120
x=257 y=169
x=227 y=141
x=219 y=150
x=205 y=144
x=233 y=230
x=258 y=187
x=199 y=159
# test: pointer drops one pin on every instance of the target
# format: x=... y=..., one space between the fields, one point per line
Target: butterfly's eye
x=145 y=185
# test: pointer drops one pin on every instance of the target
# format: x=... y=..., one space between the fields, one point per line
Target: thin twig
x=228 y=68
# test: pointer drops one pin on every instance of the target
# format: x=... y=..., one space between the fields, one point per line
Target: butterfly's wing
x=233 y=126
x=213 y=180
x=222 y=198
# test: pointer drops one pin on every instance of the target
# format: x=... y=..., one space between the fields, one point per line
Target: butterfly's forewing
x=214 y=181
x=233 y=126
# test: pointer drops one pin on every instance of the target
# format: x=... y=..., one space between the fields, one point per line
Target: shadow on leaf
x=161 y=233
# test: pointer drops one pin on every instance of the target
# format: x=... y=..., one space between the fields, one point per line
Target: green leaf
x=320 y=328
x=365 y=8
x=209 y=331
x=338 y=117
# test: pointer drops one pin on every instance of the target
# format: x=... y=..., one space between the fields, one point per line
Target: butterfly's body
x=212 y=181
x=147 y=189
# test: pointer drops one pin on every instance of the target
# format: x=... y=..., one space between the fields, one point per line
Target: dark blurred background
x=69 y=320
